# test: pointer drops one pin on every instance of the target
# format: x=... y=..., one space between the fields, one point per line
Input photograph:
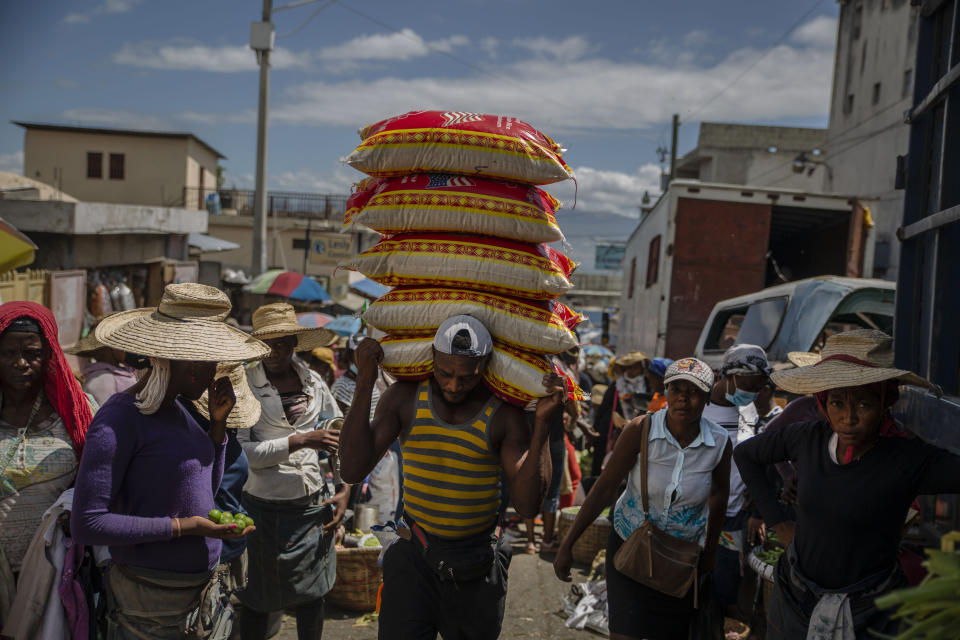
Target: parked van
x=796 y=316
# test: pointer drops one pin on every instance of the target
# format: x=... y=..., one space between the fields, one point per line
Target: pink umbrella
x=313 y=319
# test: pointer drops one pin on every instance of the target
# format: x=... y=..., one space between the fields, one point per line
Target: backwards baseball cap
x=745 y=360
x=463 y=336
x=691 y=370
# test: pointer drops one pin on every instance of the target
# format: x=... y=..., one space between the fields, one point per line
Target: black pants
x=254 y=624
x=638 y=611
x=417 y=605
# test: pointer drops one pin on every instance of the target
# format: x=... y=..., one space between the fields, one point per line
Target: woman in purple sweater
x=149 y=472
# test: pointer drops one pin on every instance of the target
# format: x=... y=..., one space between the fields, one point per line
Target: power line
x=779 y=40
x=313 y=15
x=294 y=5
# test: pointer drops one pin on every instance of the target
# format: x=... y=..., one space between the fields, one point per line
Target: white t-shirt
x=738 y=423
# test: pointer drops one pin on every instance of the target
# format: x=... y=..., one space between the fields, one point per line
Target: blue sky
x=603 y=77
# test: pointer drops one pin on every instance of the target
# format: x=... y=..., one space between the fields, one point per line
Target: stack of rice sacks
x=463 y=231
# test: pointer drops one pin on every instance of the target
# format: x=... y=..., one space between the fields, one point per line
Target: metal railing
x=283 y=204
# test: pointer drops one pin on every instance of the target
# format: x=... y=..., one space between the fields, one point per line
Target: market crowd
x=194 y=480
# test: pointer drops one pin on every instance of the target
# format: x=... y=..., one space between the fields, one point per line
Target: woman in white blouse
x=296 y=509
x=688 y=482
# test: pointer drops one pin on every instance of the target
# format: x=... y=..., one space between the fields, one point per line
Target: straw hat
x=324 y=354
x=279 y=319
x=632 y=358
x=803 y=358
x=188 y=325
x=849 y=359
x=86 y=346
x=246 y=411
x=597 y=393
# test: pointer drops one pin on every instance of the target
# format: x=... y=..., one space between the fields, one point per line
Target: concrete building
x=756 y=155
x=872 y=89
x=88 y=235
x=123 y=166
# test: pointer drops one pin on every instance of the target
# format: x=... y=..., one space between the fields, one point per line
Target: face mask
x=739 y=397
x=633 y=380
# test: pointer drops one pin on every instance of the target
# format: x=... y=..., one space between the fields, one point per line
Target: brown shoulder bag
x=653 y=557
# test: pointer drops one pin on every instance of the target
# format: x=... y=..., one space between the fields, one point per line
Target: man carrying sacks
x=447 y=573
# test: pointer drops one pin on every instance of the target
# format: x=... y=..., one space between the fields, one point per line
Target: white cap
x=480 y=343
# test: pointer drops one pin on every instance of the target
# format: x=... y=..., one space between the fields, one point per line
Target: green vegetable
x=931 y=610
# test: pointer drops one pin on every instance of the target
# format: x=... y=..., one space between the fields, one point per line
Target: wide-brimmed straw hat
x=632 y=358
x=803 y=358
x=849 y=359
x=86 y=346
x=187 y=325
x=246 y=411
x=279 y=320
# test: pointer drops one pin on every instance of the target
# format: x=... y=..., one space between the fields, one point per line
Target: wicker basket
x=358 y=579
x=593 y=539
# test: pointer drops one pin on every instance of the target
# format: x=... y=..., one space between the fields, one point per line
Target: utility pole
x=673 y=147
x=261 y=41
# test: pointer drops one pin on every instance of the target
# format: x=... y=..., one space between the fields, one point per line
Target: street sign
x=609 y=256
x=327 y=248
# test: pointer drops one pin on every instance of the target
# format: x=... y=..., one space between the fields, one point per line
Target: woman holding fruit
x=149 y=472
x=858 y=475
x=292 y=564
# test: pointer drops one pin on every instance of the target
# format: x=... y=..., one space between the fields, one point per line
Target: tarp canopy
x=207 y=244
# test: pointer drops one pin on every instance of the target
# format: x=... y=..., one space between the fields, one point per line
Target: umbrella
x=596 y=350
x=369 y=289
x=288 y=284
x=16 y=249
x=345 y=326
x=314 y=319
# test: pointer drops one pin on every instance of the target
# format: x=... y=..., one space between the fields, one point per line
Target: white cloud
x=116 y=118
x=584 y=94
x=106 y=7
x=490 y=46
x=561 y=95
x=819 y=32
x=402 y=46
x=337 y=182
x=195 y=57
x=12 y=162
x=570 y=48
x=600 y=191
x=696 y=38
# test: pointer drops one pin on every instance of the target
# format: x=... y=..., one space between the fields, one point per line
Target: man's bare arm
x=526 y=457
x=362 y=441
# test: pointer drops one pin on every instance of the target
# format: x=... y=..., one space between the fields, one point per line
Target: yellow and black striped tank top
x=451 y=477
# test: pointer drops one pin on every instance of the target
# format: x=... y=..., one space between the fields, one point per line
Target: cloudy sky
x=603 y=77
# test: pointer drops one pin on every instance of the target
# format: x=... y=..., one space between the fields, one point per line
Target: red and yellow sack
x=496 y=265
x=515 y=376
x=459 y=142
x=454 y=203
x=535 y=326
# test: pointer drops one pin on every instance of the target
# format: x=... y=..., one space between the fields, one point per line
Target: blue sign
x=609 y=256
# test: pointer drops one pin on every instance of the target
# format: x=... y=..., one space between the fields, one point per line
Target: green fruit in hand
x=227 y=520
x=250 y=522
x=214 y=515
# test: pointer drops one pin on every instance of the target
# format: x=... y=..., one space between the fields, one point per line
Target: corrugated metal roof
x=48 y=126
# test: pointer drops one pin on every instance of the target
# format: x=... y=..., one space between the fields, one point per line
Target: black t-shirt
x=849 y=517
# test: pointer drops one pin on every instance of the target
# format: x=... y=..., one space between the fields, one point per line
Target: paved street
x=533 y=607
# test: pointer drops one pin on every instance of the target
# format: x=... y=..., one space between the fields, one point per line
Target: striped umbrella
x=313 y=319
x=289 y=284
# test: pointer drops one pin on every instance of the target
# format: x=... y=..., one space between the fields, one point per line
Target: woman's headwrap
x=62 y=388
